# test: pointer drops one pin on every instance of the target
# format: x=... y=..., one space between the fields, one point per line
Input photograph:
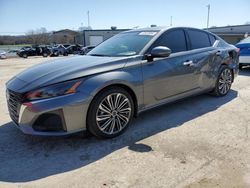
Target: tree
x=38 y=36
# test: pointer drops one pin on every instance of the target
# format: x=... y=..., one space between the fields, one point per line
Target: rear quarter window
x=198 y=39
x=212 y=39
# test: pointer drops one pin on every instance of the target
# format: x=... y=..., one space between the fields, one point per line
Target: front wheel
x=24 y=55
x=45 y=54
x=224 y=82
x=240 y=66
x=110 y=113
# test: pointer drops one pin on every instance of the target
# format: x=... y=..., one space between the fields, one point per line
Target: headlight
x=55 y=90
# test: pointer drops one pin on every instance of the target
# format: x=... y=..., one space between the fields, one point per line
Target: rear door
x=204 y=55
x=177 y=74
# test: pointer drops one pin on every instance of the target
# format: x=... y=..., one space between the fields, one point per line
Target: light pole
x=171 y=20
x=208 y=15
x=88 y=19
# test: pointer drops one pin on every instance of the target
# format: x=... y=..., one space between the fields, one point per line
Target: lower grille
x=14 y=101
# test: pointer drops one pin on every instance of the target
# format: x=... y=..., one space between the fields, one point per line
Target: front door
x=177 y=74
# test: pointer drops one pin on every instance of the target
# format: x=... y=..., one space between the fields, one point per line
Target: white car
x=2 y=55
x=9 y=54
x=244 y=47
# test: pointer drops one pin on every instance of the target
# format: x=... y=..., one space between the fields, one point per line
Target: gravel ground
x=198 y=142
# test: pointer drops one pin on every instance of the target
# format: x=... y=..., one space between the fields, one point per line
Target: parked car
x=244 y=47
x=8 y=54
x=2 y=54
x=129 y=73
x=86 y=49
x=59 y=49
x=74 y=49
x=34 y=51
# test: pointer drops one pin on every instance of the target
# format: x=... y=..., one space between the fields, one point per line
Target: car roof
x=161 y=29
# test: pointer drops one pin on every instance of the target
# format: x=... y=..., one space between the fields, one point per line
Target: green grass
x=12 y=47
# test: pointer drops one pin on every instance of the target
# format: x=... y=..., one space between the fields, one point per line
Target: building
x=96 y=36
x=232 y=34
x=64 y=36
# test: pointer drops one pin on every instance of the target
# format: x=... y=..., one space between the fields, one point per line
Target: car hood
x=62 y=70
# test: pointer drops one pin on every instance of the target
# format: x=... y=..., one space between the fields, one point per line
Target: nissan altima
x=129 y=73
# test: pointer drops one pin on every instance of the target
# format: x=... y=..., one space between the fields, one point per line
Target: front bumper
x=72 y=109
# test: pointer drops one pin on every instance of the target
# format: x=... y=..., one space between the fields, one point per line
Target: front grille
x=14 y=101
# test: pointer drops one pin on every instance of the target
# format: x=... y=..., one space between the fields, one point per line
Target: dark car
x=125 y=75
x=59 y=49
x=86 y=49
x=74 y=49
x=34 y=51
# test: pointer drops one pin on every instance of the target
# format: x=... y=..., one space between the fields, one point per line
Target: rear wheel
x=25 y=55
x=224 y=81
x=110 y=113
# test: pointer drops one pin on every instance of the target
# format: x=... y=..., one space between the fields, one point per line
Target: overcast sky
x=19 y=16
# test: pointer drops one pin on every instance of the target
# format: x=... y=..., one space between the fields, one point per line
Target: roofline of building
x=106 y=30
x=229 y=34
x=63 y=30
x=228 y=26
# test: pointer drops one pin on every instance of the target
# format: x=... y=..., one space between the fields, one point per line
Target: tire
x=112 y=121
x=25 y=56
x=240 y=66
x=45 y=54
x=223 y=82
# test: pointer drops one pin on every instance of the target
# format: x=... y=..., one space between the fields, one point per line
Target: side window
x=212 y=39
x=175 y=40
x=198 y=39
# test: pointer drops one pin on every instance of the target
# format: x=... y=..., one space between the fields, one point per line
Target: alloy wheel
x=113 y=113
x=225 y=81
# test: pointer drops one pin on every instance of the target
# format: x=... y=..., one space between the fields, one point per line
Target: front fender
x=132 y=79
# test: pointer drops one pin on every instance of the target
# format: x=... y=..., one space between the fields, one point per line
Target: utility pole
x=171 y=20
x=88 y=19
x=208 y=15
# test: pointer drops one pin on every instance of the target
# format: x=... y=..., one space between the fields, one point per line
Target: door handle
x=188 y=63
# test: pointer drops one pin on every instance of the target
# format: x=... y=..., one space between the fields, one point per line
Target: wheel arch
x=123 y=86
x=228 y=65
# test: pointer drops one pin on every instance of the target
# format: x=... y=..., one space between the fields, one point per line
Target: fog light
x=48 y=123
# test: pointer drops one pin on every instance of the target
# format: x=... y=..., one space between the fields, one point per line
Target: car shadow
x=25 y=158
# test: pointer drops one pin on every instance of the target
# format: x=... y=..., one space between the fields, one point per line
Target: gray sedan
x=131 y=72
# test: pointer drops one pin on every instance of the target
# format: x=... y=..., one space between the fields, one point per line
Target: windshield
x=246 y=40
x=124 y=44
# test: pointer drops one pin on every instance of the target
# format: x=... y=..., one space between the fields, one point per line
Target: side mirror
x=160 y=51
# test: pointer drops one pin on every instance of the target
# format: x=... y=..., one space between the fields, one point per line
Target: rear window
x=198 y=39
